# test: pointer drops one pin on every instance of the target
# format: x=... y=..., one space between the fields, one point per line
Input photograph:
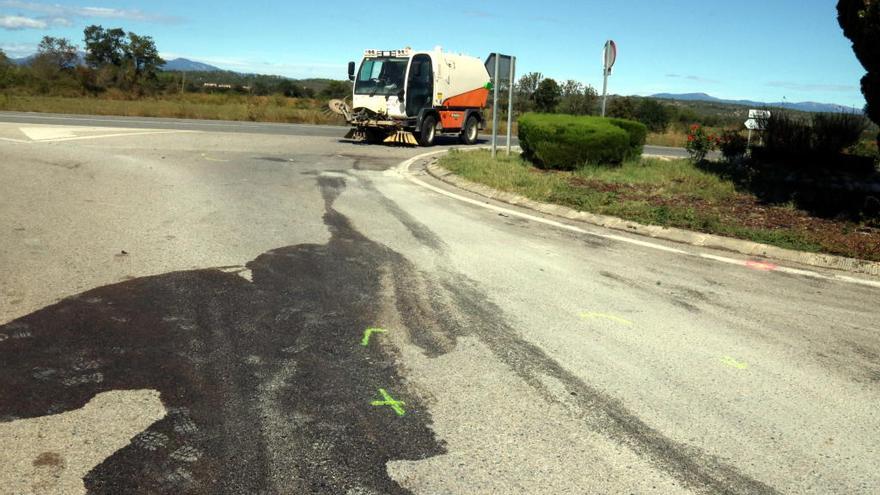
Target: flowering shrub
x=700 y=143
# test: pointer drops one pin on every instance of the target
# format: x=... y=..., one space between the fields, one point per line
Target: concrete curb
x=668 y=233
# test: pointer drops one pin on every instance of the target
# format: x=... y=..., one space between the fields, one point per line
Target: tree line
x=125 y=63
x=534 y=92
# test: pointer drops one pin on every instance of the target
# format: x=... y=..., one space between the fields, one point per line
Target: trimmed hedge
x=637 y=131
x=569 y=142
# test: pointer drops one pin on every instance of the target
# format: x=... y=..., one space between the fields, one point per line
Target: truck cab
x=406 y=96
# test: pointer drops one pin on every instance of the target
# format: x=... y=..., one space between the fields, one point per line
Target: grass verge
x=188 y=106
x=670 y=193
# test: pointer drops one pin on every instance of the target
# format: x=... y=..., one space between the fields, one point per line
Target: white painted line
x=37 y=115
x=48 y=132
x=118 y=134
x=403 y=169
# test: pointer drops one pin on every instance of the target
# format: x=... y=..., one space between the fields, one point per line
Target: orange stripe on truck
x=452 y=119
x=472 y=99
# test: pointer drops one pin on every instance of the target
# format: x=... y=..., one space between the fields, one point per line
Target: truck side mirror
x=351 y=71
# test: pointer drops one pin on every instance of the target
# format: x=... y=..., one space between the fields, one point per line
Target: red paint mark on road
x=760 y=265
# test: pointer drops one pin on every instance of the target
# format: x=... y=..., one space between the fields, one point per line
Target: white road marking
x=403 y=169
x=37 y=115
x=119 y=134
x=55 y=134
x=49 y=132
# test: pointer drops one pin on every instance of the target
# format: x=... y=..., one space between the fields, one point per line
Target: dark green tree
x=53 y=66
x=290 y=89
x=58 y=53
x=577 y=99
x=104 y=46
x=524 y=91
x=622 y=107
x=7 y=71
x=654 y=114
x=260 y=88
x=336 y=89
x=860 y=21
x=142 y=59
x=547 y=96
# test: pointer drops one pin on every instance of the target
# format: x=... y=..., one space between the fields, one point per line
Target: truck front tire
x=427 y=131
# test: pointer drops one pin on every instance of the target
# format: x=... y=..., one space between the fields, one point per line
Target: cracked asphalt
x=183 y=312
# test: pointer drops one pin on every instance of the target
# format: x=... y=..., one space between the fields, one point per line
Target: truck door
x=420 y=85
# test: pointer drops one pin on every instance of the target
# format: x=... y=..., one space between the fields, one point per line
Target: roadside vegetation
x=119 y=73
x=185 y=106
x=114 y=72
x=713 y=198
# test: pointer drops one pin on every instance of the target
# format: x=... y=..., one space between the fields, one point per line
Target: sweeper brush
x=402 y=137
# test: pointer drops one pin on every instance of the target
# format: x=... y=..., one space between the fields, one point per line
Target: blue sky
x=762 y=50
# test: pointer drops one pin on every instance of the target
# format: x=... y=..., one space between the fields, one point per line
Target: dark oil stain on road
x=266 y=386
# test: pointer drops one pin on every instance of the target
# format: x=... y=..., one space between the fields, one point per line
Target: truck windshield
x=381 y=76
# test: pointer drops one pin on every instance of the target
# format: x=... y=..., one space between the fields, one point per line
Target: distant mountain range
x=184 y=64
x=804 y=106
x=177 y=64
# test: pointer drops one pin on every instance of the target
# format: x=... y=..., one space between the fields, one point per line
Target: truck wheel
x=374 y=136
x=428 y=131
x=471 y=129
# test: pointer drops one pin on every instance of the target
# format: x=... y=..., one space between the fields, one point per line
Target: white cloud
x=60 y=14
x=692 y=78
x=16 y=50
x=16 y=22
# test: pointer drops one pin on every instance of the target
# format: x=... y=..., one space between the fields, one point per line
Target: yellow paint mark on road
x=389 y=401
x=592 y=316
x=733 y=363
x=366 y=340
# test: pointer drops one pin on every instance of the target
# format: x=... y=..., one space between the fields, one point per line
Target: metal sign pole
x=495 y=107
x=604 y=88
x=510 y=102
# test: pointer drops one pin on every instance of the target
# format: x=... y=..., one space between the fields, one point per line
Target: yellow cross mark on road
x=389 y=401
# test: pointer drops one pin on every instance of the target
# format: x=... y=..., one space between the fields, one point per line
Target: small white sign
x=759 y=114
x=755 y=125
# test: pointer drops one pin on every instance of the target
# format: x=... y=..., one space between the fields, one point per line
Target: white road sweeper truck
x=408 y=97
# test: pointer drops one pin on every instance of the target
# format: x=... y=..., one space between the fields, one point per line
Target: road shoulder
x=667 y=233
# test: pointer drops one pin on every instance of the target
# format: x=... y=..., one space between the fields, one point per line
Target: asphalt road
x=187 y=311
x=30 y=118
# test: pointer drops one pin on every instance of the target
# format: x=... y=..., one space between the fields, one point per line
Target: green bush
x=787 y=135
x=637 y=134
x=733 y=145
x=569 y=142
x=835 y=132
x=823 y=134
